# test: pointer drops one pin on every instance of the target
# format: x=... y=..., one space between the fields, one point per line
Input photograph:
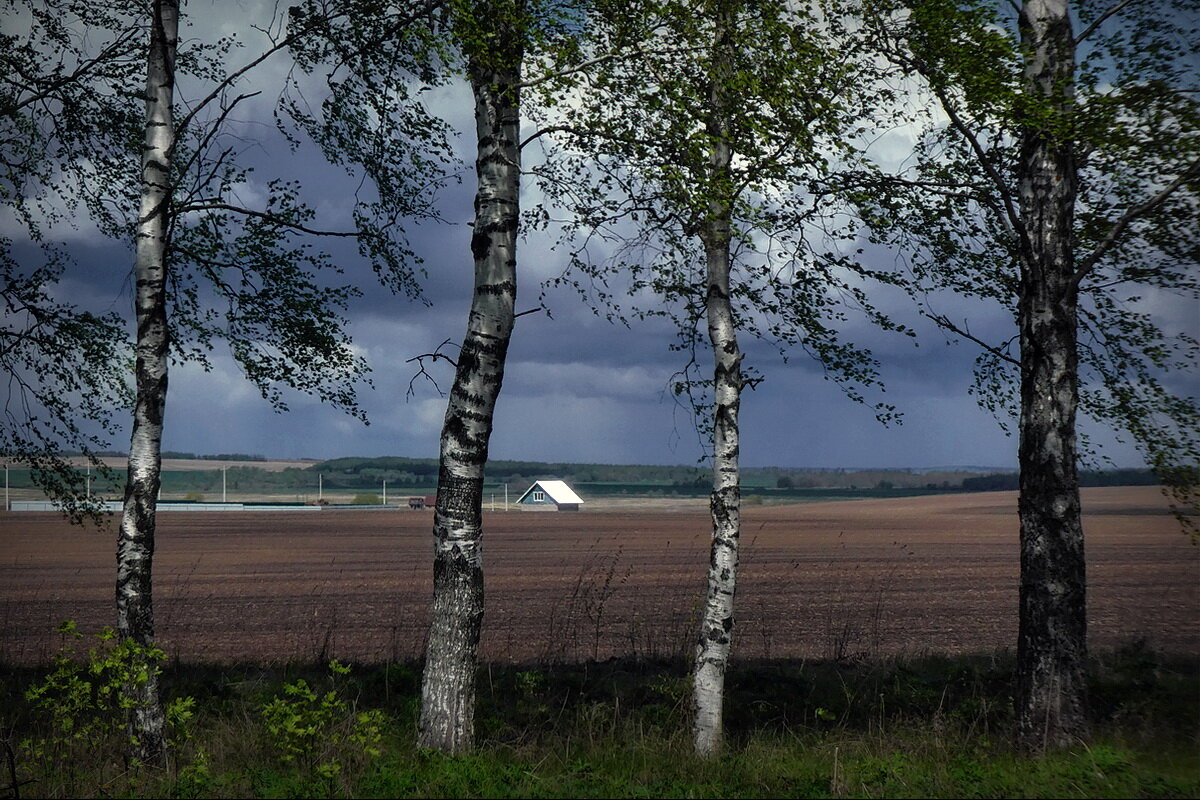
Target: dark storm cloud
x=577 y=388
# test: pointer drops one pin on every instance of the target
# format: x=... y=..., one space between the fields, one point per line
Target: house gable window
x=539 y=497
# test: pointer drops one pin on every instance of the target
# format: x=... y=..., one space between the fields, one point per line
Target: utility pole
x=223 y=470
x=506 y=497
x=320 y=487
x=7 y=504
x=89 y=482
x=385 y=493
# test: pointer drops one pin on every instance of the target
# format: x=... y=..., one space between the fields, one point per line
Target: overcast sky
x=576 y=388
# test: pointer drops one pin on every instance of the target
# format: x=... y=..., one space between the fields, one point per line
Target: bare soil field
x=846 y=579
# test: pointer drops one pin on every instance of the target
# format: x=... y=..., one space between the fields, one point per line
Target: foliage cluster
x=318 y=731
x=61 y=362
x=86 y=700
x=950 y=211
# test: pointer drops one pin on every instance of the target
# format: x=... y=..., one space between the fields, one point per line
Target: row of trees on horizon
x=719 y=150
x=589 y=479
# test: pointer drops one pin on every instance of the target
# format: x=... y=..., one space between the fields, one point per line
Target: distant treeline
x=419 y=476
x=674 y=479
x=217 y=457
x=1089 y=477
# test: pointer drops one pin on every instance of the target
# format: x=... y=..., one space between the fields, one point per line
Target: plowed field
x=856 y=578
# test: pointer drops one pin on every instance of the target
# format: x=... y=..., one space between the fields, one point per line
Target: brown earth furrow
x=844 y=579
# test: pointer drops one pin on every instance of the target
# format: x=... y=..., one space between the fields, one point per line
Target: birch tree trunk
x=716 y=626
x=1052 y=640
x=135 y=545
x=448 y=684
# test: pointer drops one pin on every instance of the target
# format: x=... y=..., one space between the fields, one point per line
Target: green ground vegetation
x=913 y=727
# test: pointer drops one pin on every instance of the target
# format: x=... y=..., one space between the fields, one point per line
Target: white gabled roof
x=558 y=490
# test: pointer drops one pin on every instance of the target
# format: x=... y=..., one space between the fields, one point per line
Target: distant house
x=546 y=493
x=426 y=501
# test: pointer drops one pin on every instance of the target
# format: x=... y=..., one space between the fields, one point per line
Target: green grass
x=927 y=727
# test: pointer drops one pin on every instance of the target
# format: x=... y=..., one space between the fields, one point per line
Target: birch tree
x=208 y=267
x=693 y=154
x=484 y=42
x=495 y=38
x=494 y=44
x=285 y=328
x=1060 y=183
x=135 y=544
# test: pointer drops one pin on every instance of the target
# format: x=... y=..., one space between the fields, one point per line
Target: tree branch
x=435 y=355
x=637 y=51
x=583 y=132
x=1011 y=214
x=944 y=322
x=1098 y=21
x=81 y=70
x=272 y=218
x=1131 y=214
x=290 y=39
x=1010 y=208
x=563 y=73
x=213 y=130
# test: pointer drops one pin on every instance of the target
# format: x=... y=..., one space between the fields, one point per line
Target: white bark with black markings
x=135 y=545
x=716 y=624
x=1052 y=640
x=448 y=685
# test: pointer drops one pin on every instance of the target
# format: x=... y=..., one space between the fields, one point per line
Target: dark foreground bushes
x=918 y=727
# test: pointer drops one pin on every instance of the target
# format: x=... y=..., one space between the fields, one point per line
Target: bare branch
x=434 y=356
x=272 y=218
x=214 y=129
x=295 y=36
x=965 y=332
x=232 y=77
